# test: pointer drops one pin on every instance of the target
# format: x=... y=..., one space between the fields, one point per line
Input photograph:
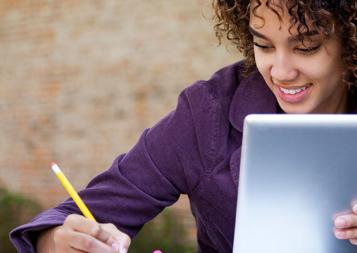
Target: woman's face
x=305 y=78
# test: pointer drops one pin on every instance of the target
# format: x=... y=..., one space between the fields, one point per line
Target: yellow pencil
x=69 y=188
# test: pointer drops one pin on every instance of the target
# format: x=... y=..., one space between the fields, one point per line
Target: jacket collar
x=251 y=96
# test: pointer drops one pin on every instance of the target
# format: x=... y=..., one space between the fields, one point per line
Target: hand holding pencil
x=79 y=233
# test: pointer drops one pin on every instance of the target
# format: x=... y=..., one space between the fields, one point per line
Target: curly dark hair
x=327 y=16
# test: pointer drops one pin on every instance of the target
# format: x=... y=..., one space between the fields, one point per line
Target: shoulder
x=206 y=105
x=221 y=84
x=219 y=89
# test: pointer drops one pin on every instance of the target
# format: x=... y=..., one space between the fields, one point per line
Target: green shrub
x=165 y=233
x=15 y=209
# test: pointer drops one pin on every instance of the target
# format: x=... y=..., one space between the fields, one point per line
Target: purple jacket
x=194 y=150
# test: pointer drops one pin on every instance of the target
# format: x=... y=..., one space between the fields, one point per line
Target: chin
x=295 y=109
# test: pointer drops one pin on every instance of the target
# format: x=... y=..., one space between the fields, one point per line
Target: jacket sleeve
x=138 y=184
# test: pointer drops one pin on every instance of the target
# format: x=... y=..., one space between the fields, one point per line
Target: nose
x=283 y=69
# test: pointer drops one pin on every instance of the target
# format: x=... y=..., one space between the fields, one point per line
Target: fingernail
x=340 y=222
x=355 y=209
x=339 y=234
x=157 y=251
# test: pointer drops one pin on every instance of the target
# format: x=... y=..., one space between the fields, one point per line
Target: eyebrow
x=297 y=37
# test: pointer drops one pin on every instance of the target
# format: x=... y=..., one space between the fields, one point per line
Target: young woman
x=300 y=57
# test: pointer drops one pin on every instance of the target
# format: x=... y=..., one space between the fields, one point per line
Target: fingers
x=92 y=228
x=121 y=240
x=106 y=233
x=79 y=242
x=87 y=243
x=350 y=233
x=346 y=221
x=347 y=234
x=346 y=227
x=353 y=241
x=79 y=234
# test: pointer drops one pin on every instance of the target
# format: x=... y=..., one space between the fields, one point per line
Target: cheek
x=322 y=73
x=314 y=72
x=263 y=64
x=326 y=66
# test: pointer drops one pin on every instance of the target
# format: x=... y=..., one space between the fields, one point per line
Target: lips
x=294 y=93
x=293 y=90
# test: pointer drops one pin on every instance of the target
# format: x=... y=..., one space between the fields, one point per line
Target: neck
x=342 y=104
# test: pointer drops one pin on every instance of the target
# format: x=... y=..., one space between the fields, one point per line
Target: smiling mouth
x=295 y=90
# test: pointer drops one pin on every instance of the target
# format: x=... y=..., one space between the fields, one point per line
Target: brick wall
x=80 y=80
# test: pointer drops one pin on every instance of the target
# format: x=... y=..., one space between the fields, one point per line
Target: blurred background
x=80 y=81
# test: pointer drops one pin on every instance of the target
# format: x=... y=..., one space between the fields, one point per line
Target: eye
x=308 y=50
x=263 y=47
x=305 y=51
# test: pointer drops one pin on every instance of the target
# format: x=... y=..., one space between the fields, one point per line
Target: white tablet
x=296 y=173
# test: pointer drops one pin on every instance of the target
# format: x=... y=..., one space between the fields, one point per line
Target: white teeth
x=292 y=91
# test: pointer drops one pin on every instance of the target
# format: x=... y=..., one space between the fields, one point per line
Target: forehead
x=273 y=15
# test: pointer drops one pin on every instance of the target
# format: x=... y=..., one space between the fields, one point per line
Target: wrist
x=45 y=242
